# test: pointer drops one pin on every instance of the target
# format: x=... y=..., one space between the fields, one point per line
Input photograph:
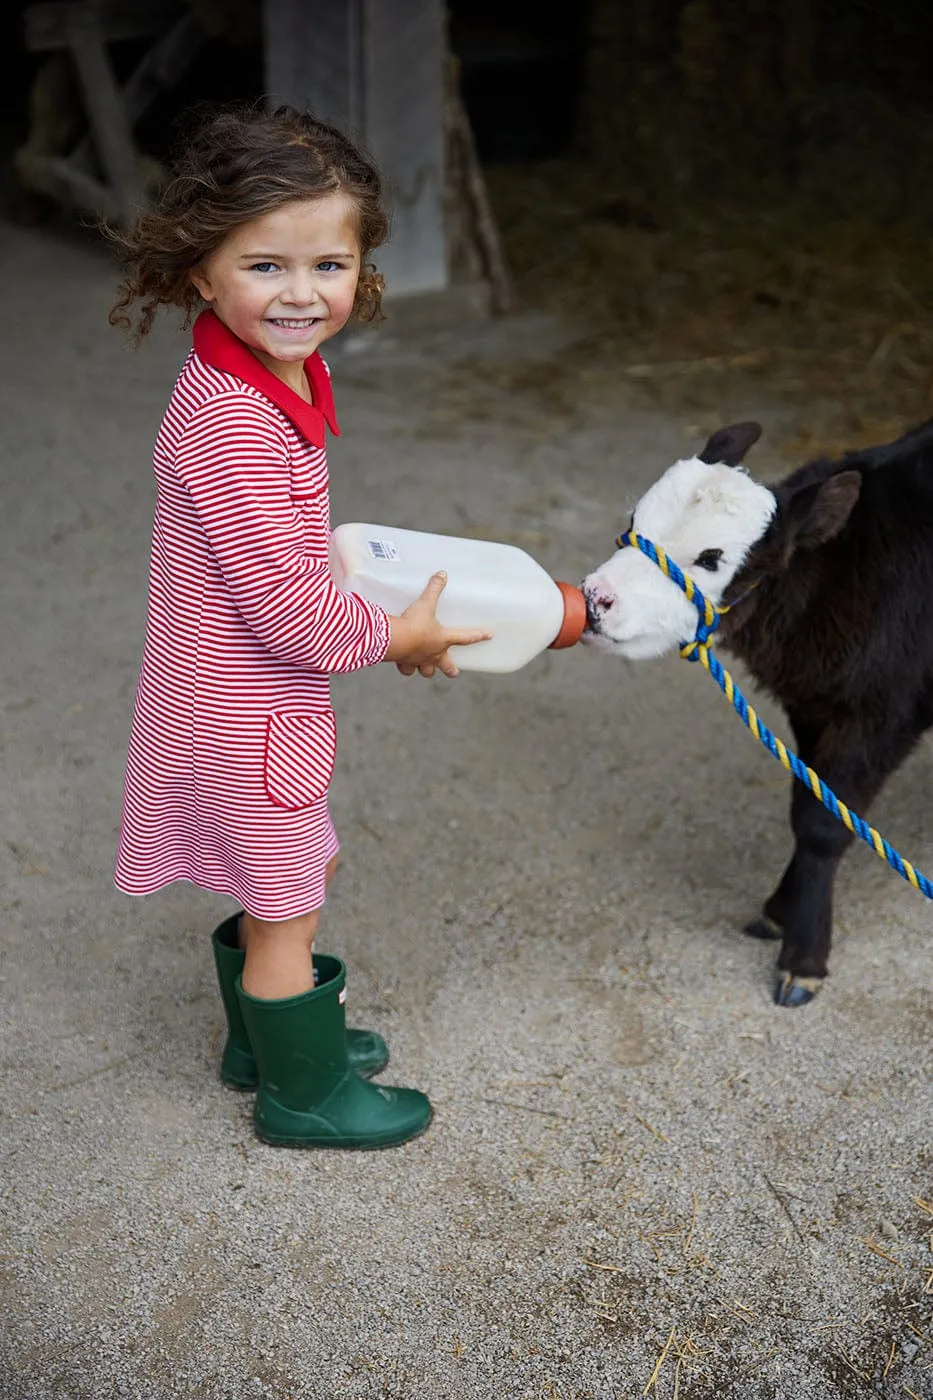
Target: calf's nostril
x=596 y=604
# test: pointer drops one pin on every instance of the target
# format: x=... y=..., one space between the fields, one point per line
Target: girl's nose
x=300 y=291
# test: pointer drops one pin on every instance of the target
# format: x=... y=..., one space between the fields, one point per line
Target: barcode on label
x=383 y=549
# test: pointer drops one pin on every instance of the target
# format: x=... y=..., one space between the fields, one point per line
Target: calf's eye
x=709 y=559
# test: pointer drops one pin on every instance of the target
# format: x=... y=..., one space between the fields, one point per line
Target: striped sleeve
x=233 y=461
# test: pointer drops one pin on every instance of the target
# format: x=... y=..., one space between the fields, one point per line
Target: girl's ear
x=201 y=282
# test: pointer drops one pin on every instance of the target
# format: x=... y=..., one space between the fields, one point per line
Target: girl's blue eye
x=265 y=266
x=328 y=266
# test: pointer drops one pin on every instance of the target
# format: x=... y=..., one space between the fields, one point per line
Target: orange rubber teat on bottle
x=571 y=629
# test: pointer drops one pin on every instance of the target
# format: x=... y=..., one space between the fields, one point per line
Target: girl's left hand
x=418 y=642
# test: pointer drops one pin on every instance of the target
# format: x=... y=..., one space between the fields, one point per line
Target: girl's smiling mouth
x=294 y=323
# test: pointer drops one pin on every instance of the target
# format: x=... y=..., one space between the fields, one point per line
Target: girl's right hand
x=418 y=642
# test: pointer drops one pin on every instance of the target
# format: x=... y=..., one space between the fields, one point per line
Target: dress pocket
x=300 y=754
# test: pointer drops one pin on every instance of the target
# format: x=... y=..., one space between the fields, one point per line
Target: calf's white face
x=706 y=516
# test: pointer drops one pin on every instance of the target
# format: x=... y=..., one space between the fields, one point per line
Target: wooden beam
x=51 y=175
x=109 y=122
x=45 y=25
x=160 y=67
x=475 y=198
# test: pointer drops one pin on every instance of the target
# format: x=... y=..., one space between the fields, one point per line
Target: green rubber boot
x=308 y=1094
x=367 y=1051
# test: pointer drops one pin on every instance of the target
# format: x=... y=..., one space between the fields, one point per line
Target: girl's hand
x=418 y=642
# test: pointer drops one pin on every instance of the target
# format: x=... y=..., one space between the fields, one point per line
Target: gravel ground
x=643 y=1178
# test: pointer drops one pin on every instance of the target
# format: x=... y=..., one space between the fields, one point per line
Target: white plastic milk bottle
x=489 y=585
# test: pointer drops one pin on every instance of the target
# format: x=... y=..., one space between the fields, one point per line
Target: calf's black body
x=839 y=627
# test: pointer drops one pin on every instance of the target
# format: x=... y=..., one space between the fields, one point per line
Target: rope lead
x=699 y=649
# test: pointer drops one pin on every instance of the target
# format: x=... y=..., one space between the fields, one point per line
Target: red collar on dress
x=216 y=345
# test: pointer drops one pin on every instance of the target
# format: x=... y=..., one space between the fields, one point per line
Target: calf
x=831 y=576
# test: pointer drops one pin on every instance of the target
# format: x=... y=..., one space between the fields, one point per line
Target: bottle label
x=383 y=549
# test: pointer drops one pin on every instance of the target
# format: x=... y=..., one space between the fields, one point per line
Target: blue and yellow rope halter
x=699 y=649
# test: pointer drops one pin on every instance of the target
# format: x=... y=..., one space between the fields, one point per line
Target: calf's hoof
x=795 y=991
x=763 y=927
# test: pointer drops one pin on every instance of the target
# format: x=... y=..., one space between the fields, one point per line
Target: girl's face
x=286 y=281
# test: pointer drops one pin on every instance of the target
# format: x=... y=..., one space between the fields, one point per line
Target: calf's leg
x=800 y=910
x=802 y=904
x=770 y=924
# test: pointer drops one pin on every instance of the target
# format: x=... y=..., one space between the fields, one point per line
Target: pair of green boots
x=310 y=1072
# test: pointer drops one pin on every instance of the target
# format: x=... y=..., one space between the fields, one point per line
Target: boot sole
x=344 y=1144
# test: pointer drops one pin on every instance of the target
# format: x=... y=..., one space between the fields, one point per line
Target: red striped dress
x=233 y=737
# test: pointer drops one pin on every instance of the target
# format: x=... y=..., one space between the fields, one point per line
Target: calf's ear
x=729 y=445
x=818 y=512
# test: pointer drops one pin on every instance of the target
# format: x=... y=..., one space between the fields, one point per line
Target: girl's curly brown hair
x=239 y=164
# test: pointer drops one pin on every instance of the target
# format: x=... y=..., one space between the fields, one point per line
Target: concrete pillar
x=375 y=68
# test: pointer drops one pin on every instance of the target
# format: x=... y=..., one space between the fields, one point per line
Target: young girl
x=266 y=223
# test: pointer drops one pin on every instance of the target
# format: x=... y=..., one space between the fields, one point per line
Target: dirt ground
x=643 y=1178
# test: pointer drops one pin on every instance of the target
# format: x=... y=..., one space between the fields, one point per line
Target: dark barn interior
x=710 y=189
